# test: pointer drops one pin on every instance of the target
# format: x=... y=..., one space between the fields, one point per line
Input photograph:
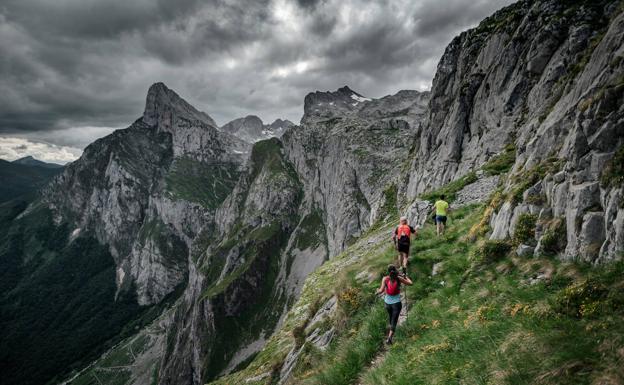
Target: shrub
x=299 y=334
x=613 y=173
x=349 y=300
x=554 y=239
x=583 y=299
x=492 y=251
x=525 y=228
x=482 y=227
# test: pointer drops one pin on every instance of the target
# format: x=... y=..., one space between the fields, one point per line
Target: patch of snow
x=331 y=103
x=354 y=104
x=360 y=98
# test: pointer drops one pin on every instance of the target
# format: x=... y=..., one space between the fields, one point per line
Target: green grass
x=357 y=350
x=451 y=189
x=312 y=231
x=502 y=162
x=479 y=321
x=205 y=183
x=524 y=179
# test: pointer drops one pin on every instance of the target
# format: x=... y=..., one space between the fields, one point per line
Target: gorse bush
x=582 y=299
x=525 y=229
x=554 y=239
x=492 y=251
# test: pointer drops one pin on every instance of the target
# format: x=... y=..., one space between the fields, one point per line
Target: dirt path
x=381 y=354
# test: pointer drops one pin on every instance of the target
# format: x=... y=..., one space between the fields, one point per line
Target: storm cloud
x=73 y=70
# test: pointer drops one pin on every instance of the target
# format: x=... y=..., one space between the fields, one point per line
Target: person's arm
x=405 y=280
x=382 y=288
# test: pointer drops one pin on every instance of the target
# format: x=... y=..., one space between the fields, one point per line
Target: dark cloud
x=72 y=70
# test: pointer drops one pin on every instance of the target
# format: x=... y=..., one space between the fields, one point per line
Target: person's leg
x=402 y=261
x=396 y=312
x=389 y=310
x=438 y=225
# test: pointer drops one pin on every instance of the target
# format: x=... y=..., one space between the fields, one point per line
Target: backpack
x=393 y=288
x=403 y=234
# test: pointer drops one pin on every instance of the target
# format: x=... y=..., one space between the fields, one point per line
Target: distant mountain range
x=251 y=128
x=23 y=177
x=30 y=161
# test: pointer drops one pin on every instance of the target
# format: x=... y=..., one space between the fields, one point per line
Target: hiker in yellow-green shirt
x=441 y=208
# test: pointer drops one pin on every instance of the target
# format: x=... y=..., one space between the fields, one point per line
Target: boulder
x=525 y=250
x=418 y=212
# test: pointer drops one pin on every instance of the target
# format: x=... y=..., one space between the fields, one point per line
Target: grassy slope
x=203 y=183
x=474 y=323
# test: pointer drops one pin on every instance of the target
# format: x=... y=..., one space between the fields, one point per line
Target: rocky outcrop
x=123 y=188
x=351 y=154
x=545 y=77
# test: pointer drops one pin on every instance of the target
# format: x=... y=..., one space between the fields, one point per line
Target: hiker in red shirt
x=391 y=287
x=402 y=238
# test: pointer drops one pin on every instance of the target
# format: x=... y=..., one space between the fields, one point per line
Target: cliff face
x=546 y=78
x=140 y=190
x=350 y=152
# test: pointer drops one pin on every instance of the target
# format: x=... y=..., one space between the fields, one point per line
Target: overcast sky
x=73 y=70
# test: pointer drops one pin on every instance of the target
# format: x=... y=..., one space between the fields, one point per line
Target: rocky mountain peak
x=281 y=124
x=162 y=105
x=325 y=105
x=251 y=128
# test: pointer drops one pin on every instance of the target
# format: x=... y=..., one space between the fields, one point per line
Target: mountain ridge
x=31 y=161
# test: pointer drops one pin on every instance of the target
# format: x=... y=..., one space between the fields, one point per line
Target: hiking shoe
x=389 y=341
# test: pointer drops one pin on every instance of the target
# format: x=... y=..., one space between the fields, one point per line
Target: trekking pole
x=406 y=306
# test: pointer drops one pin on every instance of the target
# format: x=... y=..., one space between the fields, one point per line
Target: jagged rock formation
x=545 y=77
x=351 y=153
x=140 y=191
x=251 y=129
